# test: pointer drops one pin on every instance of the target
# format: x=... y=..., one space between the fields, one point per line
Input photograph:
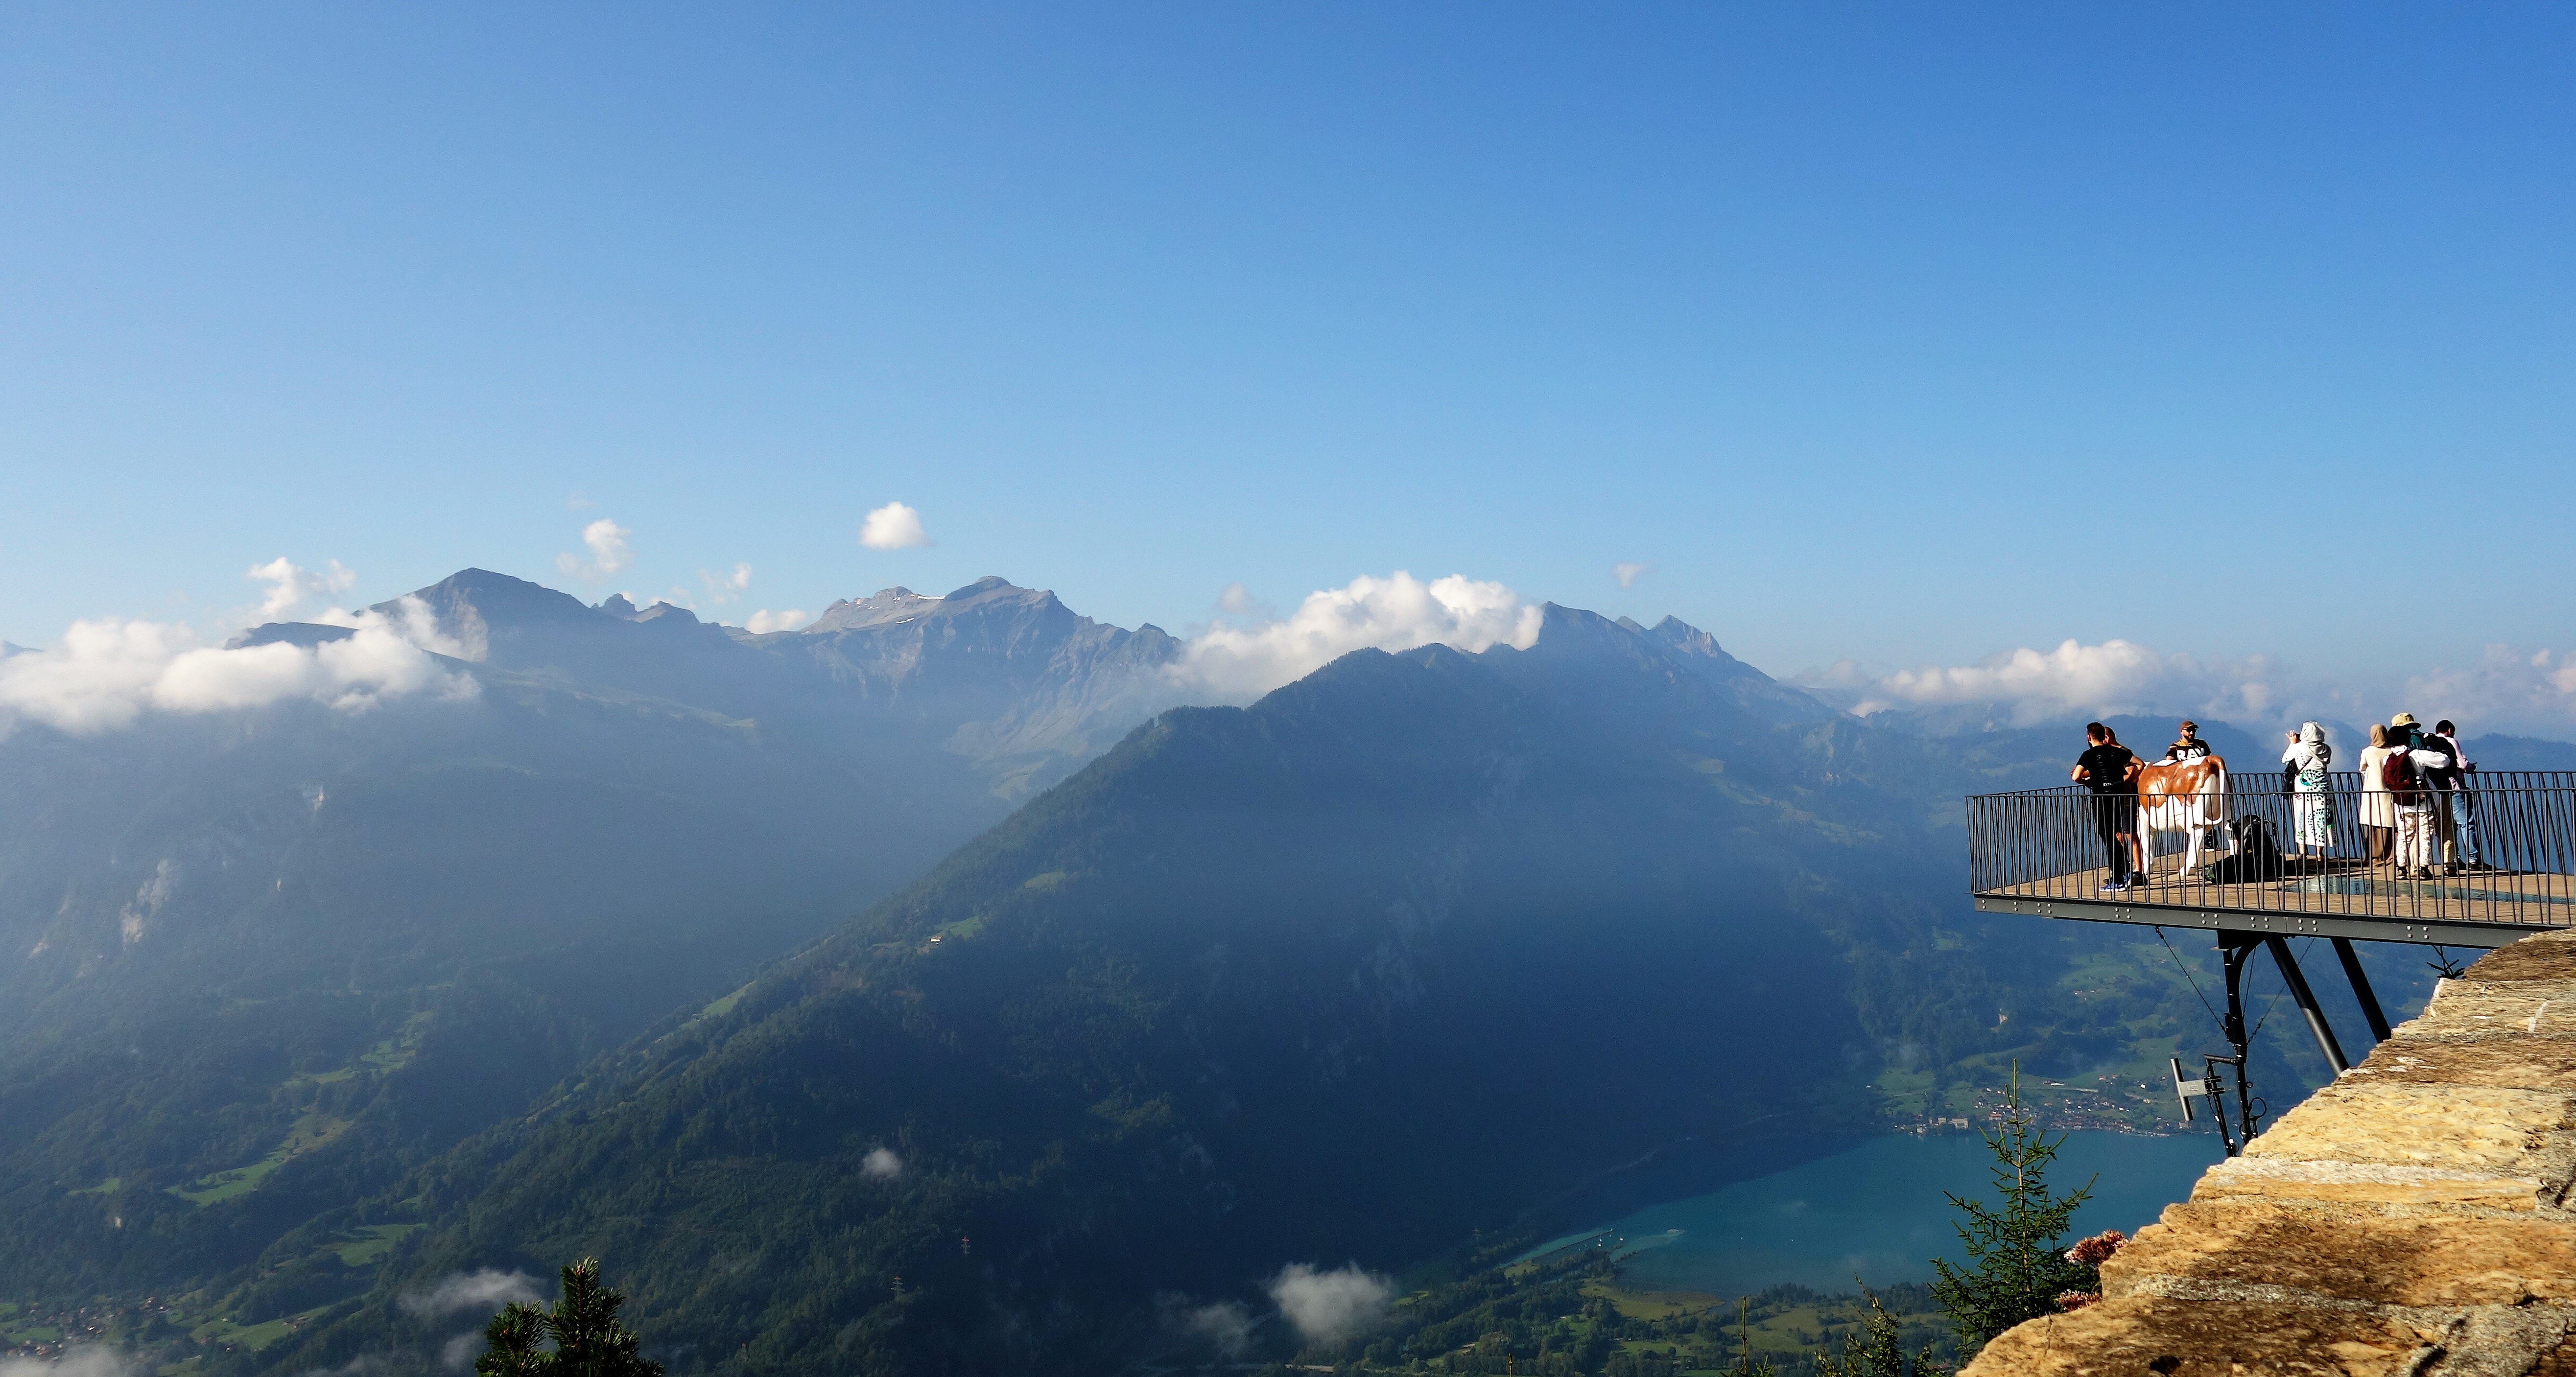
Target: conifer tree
x=2015 y=1269
x=589 y=1340
x=511 y=1340
x=1875 y=1351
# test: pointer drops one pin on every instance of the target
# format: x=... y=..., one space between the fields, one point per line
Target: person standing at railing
x=2111 y=772
x=2406 y=774
x=2378 y=815
x=2458 y=801
x=2312 y=821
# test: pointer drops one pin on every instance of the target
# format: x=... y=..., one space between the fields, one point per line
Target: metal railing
x=2049 y=844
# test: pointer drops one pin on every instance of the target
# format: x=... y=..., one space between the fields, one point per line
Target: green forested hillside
x=1351 y=973
x=1420 y=946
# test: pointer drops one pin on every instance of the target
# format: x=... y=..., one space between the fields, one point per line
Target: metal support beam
x=2306 y=999
x=2233 y=949
x=2361 y=990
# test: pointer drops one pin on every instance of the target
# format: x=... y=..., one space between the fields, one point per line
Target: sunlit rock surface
x=2412 y=1218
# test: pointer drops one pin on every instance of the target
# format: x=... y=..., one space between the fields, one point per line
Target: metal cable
x=2185 y=968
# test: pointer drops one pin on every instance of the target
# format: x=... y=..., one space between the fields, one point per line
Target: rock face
x=2412 y=1218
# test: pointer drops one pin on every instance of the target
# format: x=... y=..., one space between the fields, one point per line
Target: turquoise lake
x=1876 y=1212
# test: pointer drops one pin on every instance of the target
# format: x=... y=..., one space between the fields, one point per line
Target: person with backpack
x=2459 y=801
x=2312 y=819
x=2405 y=772
x=2111 y=772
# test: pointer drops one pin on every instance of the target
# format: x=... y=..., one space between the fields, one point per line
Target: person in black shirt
x=2111 y=772
x=2187 y=745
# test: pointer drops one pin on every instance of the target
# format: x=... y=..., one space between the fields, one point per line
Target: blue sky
x=1904 y=334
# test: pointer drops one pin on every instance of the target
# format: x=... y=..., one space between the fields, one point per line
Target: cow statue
x=2187 y=796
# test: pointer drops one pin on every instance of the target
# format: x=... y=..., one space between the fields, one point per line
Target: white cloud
x=104 y=674
x=893 y=526
x=1226 y=1324
x=2508 y=689
x=764 y=621
x=1398 y=612
x=1237 y=601
x=724 y=588
x=482 y=1291
x=289 y=585
x=1326 y=1306
x=606 y=541
x=88 y=1360
x=1628 y=574
x=458 y=1353
x=881 y=1164
x=2115 y=676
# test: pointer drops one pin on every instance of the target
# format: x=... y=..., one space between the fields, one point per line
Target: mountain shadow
x=1349 y=973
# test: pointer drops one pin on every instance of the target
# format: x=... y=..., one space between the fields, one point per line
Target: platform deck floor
x=2343 y=889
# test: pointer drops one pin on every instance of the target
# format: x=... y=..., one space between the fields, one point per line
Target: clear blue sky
x=1905 y=332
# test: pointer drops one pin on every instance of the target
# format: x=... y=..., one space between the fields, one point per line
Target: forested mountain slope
x=255 y=963
x=1349 y=973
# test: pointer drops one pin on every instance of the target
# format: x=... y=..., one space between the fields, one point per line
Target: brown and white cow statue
x=2187 y=796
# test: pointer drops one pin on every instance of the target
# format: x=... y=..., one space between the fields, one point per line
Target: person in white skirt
x=2312 y=823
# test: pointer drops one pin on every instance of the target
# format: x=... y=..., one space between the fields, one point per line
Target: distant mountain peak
x=854 y=614
x=497 y=601
x=902 y=604
x=618 y=606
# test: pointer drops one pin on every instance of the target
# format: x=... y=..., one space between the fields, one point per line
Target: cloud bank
x=1327 y=1306
x=484 y=1291
x=606 y=541
x=2509 y=688
x=105 y=674
x=881 y=1164
x=1628 y=574
x=1398 y=612
x=2115 y=676
x=893 y=526
x=88 y=1360
x=764 y=621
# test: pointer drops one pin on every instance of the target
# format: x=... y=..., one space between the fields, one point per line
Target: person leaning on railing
x=2459 y=802
x=2312 y=821
x=2111 y=772
x=2378 y=814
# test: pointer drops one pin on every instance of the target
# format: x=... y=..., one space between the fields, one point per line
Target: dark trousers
x=2115 y=816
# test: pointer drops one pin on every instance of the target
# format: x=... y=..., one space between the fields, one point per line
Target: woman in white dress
x=2378 y=811
x=2312 y=826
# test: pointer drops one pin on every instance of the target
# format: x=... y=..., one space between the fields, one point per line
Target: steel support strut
x=2361 y=990
x=2233 y=949
x=2306 y=999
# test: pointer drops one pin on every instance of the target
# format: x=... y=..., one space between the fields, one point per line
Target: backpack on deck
x=2258 y=855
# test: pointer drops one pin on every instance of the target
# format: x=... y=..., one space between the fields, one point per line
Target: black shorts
x=2115 y=813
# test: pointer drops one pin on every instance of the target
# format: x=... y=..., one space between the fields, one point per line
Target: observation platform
x=2040 y=852
x=2045 y=853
